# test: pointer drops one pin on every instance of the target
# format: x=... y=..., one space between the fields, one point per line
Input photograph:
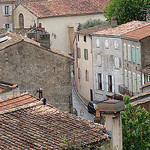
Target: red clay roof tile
x=45 y=127
x=124 y=28
x=139 y=34
x=66 y=7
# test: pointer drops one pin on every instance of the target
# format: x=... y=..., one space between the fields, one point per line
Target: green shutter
x=125 y=52
x=126 y=79
x=137 y=55
x=129 y=53
x=133 y=54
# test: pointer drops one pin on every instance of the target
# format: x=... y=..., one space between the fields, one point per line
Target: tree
x=127 y=10
x=91 y=23
x=135 y=128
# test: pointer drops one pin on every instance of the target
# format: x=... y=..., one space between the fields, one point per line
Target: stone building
x=24 y=62
x=110 y=75
x=60 y=18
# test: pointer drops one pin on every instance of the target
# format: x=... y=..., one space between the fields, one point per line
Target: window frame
x=86 y=54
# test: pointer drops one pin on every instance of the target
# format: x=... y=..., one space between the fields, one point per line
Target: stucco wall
x=32 y=67
x=29 y=18
x=84 y=86
x=8 y=19
x=107 y=66
x=58 y=26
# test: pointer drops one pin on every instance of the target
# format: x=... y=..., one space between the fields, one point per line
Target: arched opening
x=21 y=21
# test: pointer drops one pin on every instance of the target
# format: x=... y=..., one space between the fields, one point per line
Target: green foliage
x=136 y=129
x=91 y=23
x=126 y=99
x=126 y=10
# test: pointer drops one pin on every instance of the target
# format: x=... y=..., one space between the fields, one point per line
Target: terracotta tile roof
x=66 y=7
x=94 y=29
x=139 y=34
x=4 y=87
x=19 y=100
x=145 y=69
x=145 y=85
x=124 y=28
x=14 y=38
x=45 y=127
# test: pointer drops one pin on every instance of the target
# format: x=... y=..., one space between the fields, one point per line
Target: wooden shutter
x=125 y=52
x=137 y=55
x=3 y=10
x=10 y=27
x=106 y=82
x=133 y=54
x=113 y=84
x=4 y=26
x=138 y=83
x=96 y=78
x=130 y=84
x=126 y=81
x=102 y=77
x=134 y=82
x=129 y=53
x=10 y=10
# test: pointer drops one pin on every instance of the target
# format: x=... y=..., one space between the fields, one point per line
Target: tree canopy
x=135 y=128
x=127 y=10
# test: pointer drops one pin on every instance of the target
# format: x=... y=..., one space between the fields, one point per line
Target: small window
x=79 y=52
x=133 y=54
x=125 y=52
x=97 y=43
x=117 y=62
x=99 y=81
x=129 y=53
x=86 y=75
x=85 y=54
x=79 y=73
x=21 y=21
x=116 y=45
x=84 y=38
x=78 y=37
x=106 y=43
x=6 y=10
x=6 y=26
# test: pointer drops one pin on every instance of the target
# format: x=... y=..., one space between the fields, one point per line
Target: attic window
x=84 y=38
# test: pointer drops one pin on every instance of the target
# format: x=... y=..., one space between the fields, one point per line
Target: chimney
x=114 y=21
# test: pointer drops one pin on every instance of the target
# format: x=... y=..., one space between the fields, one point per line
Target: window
x=138 y=83
x=125 y=52
x=116 y=45
x=137 y=55
x=84 y=38
x=145 y=78
x=110 y=83
x=6 y=26
x=79 y=73
x=85 y=54
x=79 y=52
x=129 y=53
x=117 y=62
x=99 y=81
x=130 y=81
x=106 y=43
x=78 y=37
x=99 y=60
x=126 y=78
x=21 y=21
x=134 y=82
x=7 y=10
x=97 y=43
x=133 y=54
x=86 y=75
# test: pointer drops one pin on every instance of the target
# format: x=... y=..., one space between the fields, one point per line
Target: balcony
x=124 y=90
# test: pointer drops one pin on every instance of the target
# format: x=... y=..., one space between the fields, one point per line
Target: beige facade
x=29 y=18
x=6 y=15
x=84 y=67
x=61 y=28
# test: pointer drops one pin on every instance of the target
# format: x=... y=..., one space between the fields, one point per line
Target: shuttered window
x=130 y=81
x=85 y=54
x=125 y=52
x=134 y=82
x=79 y=52
x=138 y=83
x=126 y=78
x=137 y=55
x=133 y=54
x=129 y=53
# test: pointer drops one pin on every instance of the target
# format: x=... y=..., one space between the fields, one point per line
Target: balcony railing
x=123 y=90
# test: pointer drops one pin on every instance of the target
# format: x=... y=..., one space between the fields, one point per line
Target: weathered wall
x=145 y=51
x=84 y=86
x=106 y=65
x=32 y=67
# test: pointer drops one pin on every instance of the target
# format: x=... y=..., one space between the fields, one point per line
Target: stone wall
x=32 y=67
